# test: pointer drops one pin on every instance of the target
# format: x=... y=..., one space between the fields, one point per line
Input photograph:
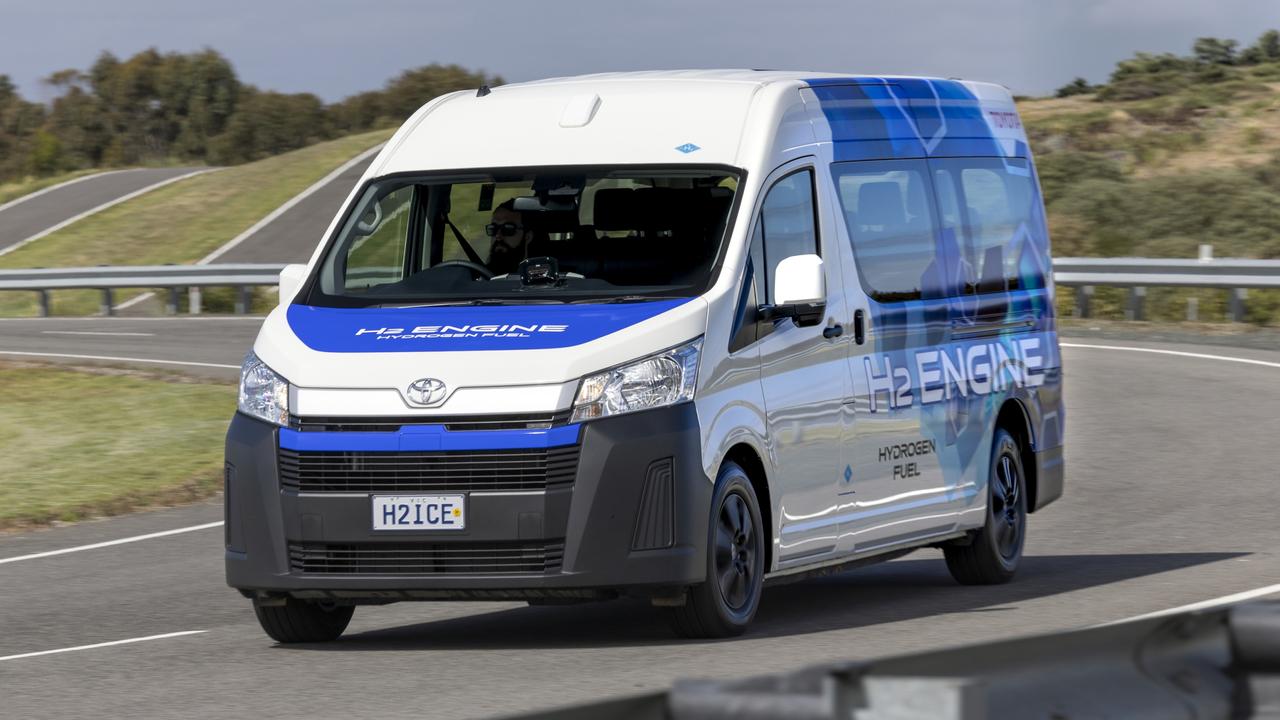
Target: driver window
x=376 y=257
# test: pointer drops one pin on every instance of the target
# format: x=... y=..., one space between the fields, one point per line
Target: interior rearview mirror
x=291 y=278
x=799 y=290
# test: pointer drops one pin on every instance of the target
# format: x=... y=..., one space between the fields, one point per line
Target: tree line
x=162 y=107
x=1148 y=75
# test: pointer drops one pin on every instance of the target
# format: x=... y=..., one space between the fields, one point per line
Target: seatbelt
x=472 y=255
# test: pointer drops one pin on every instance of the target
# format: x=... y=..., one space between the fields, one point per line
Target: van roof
x=667 y=117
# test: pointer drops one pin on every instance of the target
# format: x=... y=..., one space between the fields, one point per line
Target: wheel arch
x=747 y=457
x=1013 y=416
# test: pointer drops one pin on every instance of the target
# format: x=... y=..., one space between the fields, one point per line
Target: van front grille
x=403 y=558
x=429 y=472
x=456 y=423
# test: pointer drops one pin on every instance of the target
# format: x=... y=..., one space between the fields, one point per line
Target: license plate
x=419 y=512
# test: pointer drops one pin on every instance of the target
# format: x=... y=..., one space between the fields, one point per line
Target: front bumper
x=618 y=532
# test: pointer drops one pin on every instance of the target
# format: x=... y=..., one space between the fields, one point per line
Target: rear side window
x=1002 y=233
x=889 y=215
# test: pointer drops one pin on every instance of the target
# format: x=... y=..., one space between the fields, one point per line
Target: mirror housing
x=291 y=278
x=800 y=291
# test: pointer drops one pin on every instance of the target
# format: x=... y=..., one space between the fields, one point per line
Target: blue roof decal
x=878 y=118
x=455 y=328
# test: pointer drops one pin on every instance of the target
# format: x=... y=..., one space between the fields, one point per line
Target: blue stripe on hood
x=458 y=328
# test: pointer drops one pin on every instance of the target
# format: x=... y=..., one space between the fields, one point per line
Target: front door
x=804 y=374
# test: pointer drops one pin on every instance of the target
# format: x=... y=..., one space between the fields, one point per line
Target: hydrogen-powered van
x=673 y=335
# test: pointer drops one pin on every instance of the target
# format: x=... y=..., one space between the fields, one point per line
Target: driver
x=510 y=238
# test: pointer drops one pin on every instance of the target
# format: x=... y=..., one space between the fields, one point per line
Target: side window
x=787 y=222
x=889 y=216
x=377 y=255
x=1004 y=238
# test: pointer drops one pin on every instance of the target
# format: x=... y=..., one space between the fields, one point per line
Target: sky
x=337 y=48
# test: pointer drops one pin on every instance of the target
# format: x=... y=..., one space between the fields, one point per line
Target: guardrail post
x=1238 y=296
x=171 y=305
x=107 y=302
x=1136 y=297
x=193 y=300
x=1083 y=294
x=1193 y=309
x=44 y=302
x=243 y=297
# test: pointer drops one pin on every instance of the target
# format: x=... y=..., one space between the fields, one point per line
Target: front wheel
x=992 y=556
x=726 y=602
x=299 y=621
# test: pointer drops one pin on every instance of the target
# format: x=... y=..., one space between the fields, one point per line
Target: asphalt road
x=22 y=220
x=1170 y=501
x=291 y=237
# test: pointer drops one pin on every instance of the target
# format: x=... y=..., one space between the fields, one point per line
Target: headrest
x=880 y=203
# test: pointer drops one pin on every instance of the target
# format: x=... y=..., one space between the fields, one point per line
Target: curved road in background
x=291 y=236
x=29 y=216
x=1171 y=500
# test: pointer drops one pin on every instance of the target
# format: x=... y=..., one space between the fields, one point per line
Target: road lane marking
x=288 y=205
x=92 y=332
x=1178 y=353
x=102 y=645
x=1205 y=604
x=94 y=210
x=59 y=186
x=117 y=359
x=109 y=543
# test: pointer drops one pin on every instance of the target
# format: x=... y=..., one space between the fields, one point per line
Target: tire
x=299 y=621
x=993 y=555
x=726 y=602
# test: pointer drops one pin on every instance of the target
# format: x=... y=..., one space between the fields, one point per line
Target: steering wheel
x=476 y=268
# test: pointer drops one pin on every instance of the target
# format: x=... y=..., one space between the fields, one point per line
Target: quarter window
x=787 y=226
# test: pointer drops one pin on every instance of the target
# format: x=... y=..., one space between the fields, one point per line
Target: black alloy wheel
x=993 y=552
x=724 y=604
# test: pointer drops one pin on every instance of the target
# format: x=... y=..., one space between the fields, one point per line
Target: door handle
x=859 y=327
x=834 y=331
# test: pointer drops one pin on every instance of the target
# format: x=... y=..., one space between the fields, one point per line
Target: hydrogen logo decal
x=957 y=371
x=487 y=330
x=848 y=473
x=688 y=148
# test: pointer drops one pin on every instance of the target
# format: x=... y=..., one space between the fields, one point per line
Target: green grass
x=78 y=444
x=180 y=223
x=15 y=189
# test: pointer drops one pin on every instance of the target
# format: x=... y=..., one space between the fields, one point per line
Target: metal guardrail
x=1084 y=274
x=175 y=278
x=1221 y=664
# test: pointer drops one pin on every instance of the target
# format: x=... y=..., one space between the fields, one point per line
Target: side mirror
x=799 y=291
x=291 y=278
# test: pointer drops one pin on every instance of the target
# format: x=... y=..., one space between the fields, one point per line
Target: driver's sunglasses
x=504 y=229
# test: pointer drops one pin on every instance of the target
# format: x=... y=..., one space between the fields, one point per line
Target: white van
x=674 y=335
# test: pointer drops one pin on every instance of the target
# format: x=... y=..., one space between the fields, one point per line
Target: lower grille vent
x=454 y=558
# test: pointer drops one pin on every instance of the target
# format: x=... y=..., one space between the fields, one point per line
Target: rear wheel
x=299 y=621
x=992 y=556
x=726 y=602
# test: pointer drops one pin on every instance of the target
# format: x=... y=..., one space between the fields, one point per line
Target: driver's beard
x=504 y=260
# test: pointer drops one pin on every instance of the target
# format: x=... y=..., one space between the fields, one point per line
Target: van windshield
x=544 y=236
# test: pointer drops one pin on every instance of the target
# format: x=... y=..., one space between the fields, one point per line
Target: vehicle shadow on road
x=891 y=592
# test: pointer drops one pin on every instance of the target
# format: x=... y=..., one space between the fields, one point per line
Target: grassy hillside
x=180 y=223
x=1156 y=176
x=74 y=465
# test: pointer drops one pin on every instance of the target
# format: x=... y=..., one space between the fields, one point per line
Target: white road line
x=288 y=205
x=102 y=645
x=91 y=211
x=110 y=543
x=117 y=359
x=1202 y=356
x=91 y=332
x=59 y=186
x=1205 y=604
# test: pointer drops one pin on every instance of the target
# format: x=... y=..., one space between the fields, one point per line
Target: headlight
x=263 y=393
x=663 y=379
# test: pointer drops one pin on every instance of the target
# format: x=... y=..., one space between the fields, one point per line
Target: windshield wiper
x=619 y=299
x=477 y=302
